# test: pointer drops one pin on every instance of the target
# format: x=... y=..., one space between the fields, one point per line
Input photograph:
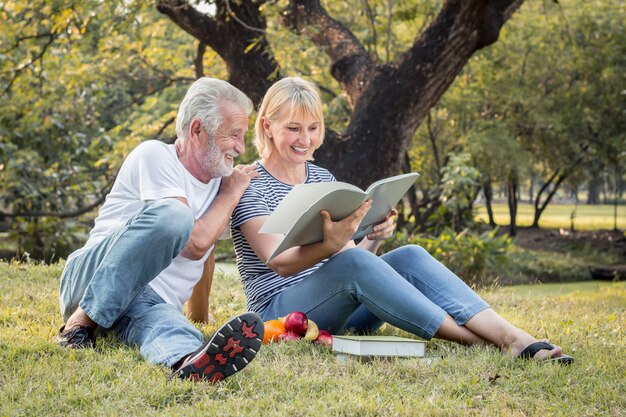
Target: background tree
x=77 y=85
x=388 y=99
x=543 y=103
x=83 y=83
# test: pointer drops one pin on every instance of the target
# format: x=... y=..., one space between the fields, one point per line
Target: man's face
x=228 y=142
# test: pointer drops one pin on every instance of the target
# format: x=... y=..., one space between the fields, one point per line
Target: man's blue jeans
x=110 y=283
x=358 y=290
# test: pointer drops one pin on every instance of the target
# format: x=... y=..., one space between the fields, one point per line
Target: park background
x=513 y=112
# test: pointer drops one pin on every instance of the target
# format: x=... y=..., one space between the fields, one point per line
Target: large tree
x=388 y=100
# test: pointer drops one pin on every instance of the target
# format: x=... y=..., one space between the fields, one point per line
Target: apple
x=312 y=331
x=289 y=336
x=324 y=338
x=297 y=322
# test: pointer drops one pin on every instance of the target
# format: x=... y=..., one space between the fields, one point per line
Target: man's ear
x=195 y=128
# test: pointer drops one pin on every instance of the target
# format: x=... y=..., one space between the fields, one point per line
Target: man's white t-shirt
x=150 y=172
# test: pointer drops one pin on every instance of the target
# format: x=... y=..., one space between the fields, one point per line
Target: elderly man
x=146 y=253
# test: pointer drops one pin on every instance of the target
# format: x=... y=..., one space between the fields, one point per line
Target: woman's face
x=295 y=138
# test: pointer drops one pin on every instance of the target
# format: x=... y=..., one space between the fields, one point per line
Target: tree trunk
x=488 y=191
x=594 y=192
x=555 y=181
x=512 y=201
x=388 y=101
x=237 y=34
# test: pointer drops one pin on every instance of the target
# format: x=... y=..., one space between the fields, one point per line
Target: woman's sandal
x=533 y=348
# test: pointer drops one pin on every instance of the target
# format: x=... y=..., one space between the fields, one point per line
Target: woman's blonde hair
x=301 y=96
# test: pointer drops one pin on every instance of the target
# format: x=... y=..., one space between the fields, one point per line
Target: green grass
x=587 y=319
x=587 y=217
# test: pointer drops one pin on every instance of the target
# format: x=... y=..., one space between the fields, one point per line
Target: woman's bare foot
x=517 y=347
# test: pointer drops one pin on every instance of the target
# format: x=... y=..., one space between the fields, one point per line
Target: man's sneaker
x=80 y=337
x=229 y=350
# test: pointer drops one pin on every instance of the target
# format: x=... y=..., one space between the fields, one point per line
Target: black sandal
x=533 y=348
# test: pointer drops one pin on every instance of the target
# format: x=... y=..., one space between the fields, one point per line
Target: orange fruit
x=273 y=329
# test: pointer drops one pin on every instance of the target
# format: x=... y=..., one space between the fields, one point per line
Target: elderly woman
x=340 y=284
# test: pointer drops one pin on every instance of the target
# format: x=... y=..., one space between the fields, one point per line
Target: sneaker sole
x=230 y=349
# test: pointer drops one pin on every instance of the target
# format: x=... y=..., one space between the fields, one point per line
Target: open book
x=379 y=346
x=298 y=215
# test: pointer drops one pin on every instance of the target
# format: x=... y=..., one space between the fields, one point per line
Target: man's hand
x=235 y=184
x=337 y=234
x=207 y=229
x=385 y=229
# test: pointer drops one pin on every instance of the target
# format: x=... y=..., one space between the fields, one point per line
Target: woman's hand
x=385 y=229
x=381 y=232
x=338 y=234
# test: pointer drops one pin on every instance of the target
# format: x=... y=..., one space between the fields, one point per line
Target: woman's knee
x=408 y=254
x=356 y=259
x=354 y=266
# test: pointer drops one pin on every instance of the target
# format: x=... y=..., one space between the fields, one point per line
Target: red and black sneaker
x=229 y=350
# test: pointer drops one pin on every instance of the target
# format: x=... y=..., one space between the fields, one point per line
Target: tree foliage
x=82 y=83
x=544 y=104
x=78 y=83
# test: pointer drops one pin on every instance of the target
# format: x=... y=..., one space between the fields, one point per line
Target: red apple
x=289 y=336
x=297 y=322
x=324 y=338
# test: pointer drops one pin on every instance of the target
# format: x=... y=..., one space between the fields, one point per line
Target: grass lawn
x=299 y=379
x=587 y=217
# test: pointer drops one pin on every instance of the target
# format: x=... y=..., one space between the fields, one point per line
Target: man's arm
x=198 y=303
x=208 y=228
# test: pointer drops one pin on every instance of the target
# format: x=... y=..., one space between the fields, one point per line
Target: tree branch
x=198 y=62
x=63 y=215
x=25 y=65
x=249 y=60
x=241 y=22
x=351 y=64
x=371 y=22
x=197 y=24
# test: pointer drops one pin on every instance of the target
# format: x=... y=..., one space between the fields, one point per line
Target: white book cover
x=298 y=216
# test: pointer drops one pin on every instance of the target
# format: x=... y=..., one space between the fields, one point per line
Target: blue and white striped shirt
x=261 y=198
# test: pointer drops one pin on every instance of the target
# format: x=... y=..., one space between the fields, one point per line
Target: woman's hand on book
x=337 y=234
x=385 y=229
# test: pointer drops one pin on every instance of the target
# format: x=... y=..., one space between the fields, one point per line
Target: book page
x=299 y=200
x=385 y=194
x=379 y=346
x=308 y=226
x=298 y=218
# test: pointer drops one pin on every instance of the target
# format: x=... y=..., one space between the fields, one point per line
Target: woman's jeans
x=358 y=290
x=110 y=283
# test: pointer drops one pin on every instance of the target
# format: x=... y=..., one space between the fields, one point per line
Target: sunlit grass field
x=300 y=379
x=586 y=217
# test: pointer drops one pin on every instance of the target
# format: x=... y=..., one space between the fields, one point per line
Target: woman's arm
x=337 y=237
x=381 y=232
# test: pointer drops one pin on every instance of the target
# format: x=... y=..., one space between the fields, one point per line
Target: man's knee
x=174 y=218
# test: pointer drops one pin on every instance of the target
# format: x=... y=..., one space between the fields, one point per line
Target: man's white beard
x=216 y=163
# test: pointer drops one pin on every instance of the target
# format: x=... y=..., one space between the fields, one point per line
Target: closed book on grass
x=379 y=346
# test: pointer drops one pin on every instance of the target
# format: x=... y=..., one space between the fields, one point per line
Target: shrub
x=470 y=255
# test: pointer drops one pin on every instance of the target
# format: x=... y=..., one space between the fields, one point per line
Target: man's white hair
x=203 y=101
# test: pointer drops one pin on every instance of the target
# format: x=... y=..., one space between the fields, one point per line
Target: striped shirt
x=261 y=198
